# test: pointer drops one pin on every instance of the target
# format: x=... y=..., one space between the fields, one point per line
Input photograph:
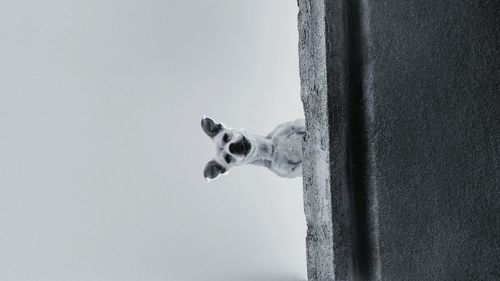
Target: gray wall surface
x=101 y=150
x=437 y=104
x=413 y=112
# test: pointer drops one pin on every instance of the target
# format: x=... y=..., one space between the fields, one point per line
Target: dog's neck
x=263 y=150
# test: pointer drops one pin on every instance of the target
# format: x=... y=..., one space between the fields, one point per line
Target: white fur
x=280 y=151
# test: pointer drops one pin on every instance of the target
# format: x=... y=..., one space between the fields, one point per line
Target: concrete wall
x=402 y=156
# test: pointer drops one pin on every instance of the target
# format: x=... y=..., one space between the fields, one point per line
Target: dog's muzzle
x=241 y=147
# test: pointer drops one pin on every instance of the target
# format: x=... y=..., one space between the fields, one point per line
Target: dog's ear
x=210 y=127
x=212 y=170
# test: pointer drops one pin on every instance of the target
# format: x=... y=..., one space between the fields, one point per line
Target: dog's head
x=232 y=148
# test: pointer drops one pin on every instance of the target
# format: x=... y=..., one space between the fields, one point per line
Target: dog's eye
x=228 y=158
x=225 y=138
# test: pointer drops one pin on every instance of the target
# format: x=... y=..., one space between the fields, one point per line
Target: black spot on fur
x=291 y=163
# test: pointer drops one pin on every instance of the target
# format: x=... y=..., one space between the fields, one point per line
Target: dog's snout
x=241 y=147
x=233 y=148
x=237 y=148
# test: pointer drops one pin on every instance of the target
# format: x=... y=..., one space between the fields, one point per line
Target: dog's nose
x=232 y=148
x=235 y=149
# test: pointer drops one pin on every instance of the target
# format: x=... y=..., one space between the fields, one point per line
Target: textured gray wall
x=317 y=197
x=437 y=105
x=413 y=101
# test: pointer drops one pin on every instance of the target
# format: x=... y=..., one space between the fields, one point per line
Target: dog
x=280 y=151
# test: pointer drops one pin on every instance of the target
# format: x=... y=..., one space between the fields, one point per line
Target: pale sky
x=101 y=150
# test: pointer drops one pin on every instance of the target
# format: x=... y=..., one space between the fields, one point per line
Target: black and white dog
x=280 y=151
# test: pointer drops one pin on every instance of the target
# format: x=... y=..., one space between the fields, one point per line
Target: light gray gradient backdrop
x=101 y=150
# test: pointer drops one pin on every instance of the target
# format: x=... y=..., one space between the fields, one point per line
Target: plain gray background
x=101 y=150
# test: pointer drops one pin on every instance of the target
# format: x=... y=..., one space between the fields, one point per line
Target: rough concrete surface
x=316 y=173
x=402 y=153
